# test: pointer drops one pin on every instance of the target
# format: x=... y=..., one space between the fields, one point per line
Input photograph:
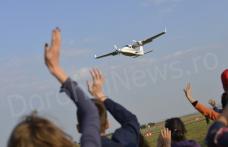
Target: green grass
x=195 y=124
x=196 y=129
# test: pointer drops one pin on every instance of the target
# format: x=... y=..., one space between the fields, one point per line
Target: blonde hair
x=35 y=131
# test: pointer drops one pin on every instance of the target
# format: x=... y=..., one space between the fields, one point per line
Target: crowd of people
x=36 y=131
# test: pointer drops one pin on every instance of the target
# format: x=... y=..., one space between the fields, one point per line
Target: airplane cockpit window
x=130 y=46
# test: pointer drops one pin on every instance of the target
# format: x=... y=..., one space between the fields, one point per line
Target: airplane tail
x=115 y=47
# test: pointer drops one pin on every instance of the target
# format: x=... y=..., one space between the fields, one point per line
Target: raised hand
x=212 y=102
x=95 y=86
x=164 y=139
x=188 y=93
x=51 y=56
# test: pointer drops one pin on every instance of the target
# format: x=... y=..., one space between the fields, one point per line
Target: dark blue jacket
x=128 y=134
x=186 y=143
x=217 y=135
x=88 y=114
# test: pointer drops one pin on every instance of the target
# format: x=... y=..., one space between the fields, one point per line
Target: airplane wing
x=148 y=40
x=109 y=54
x=148 y=52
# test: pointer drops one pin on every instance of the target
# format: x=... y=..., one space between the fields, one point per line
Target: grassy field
x=195 y=124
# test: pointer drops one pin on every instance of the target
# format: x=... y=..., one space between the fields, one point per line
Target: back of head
x=224 y=78
x=177 y=128
x=34 y=131
x=224 y=100
x=102 y=113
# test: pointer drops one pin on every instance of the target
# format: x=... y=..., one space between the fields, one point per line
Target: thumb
x=46 y=47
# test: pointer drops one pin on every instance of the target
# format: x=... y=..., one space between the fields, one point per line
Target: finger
x=189 y=86
x=46 y=49
x=167 y=132
x=162 y=133
x=53 y=37
x=58 y=35
x=58 y=29
x=92 y=74
x=56 y=39
x=96 y=73
x=100 y=76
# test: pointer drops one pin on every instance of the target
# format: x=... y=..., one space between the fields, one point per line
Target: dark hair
x=102 y=114
x=224 y=100
x=34 y=131
x=177 y=128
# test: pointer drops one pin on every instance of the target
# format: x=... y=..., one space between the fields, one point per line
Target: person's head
x=224 y=78
x=177 y=128
x=224 y=100
x=35 y=131
x=104 y=124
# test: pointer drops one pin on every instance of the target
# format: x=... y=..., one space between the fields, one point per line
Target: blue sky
x=194 y=49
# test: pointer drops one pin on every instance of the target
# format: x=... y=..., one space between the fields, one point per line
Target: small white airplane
x=134 y=50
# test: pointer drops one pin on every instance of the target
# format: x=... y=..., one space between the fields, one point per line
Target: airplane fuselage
x=129 y=51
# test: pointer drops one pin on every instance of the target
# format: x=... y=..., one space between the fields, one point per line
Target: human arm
x=89 y=119
x=51 y=56
x=210 y=113
x=129 y=131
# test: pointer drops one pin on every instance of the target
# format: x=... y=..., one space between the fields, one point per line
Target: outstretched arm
x=129 y=131
x=51 y=56
x=89 y=118
x=210 y=113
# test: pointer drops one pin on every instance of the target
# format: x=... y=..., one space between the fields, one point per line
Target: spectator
x=210 y=113
x=87 y=112
x=224 y=78
x=35 y=131
x=128 y=134
x=217 y=135
x=175 y=128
